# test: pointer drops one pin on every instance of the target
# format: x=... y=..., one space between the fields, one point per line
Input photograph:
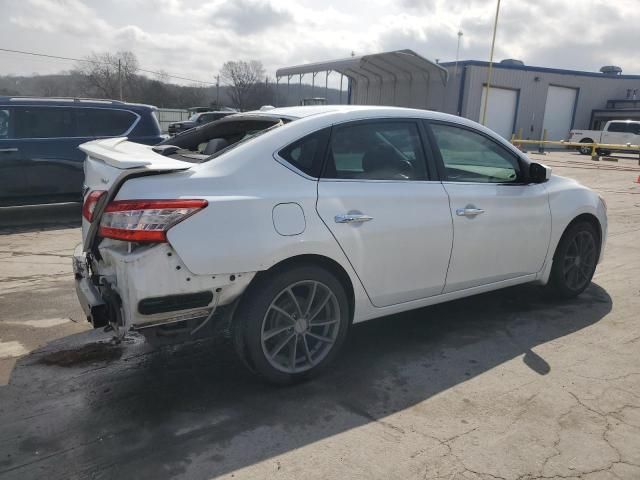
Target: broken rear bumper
x=90 y=298
x=148 y=287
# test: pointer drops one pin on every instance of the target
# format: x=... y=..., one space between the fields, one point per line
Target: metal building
x=400 y=78
x=522 y=99
x=533 y=99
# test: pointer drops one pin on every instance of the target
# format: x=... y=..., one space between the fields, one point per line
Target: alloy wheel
x=300 y=326
x=579 y=261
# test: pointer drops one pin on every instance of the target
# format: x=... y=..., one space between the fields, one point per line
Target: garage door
x=501 y=110
x=558 y=112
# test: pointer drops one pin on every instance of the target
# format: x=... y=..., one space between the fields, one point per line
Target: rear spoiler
x=124 y=155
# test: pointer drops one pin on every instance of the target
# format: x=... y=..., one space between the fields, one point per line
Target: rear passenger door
x=381 y=205
x=48 y=147
x=48 y=137
x=13 y=177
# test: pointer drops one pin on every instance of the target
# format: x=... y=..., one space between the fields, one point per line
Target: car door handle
x=352 y=218
x=8 y=150
x=469 y=212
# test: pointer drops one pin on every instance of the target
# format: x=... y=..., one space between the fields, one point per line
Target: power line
x=95 y=62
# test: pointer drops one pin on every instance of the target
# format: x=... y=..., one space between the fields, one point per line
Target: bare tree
x=110 y=75
x=242 y=78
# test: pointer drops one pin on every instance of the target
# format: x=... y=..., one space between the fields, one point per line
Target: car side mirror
x=539 y=173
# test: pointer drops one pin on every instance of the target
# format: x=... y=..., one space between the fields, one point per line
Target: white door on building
x=558 y=112
x=501 y=110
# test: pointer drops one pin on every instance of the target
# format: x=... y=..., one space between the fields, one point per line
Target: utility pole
x=455 y=72
x=120 y=78
x=493 y=43
x=217 y=91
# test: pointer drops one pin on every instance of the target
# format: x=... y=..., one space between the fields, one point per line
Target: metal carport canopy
x=374 y=68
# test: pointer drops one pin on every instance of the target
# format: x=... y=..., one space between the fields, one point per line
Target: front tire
x=292 y=323
x=574 y=262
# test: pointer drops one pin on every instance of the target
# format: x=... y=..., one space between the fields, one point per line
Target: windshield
x=194 y=117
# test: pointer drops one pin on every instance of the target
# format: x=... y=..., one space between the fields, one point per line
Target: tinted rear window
x=48 y=122
x=103 y=122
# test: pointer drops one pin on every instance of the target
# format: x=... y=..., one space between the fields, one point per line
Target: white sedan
x=294 y=223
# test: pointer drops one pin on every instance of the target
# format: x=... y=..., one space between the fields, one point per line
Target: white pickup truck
x=618 y=132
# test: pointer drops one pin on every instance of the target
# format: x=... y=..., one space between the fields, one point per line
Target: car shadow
x=36 y=218
x=81 y=408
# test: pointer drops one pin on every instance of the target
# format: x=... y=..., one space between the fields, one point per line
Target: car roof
x=359 y=111
x=73 y=101
x=226 y=112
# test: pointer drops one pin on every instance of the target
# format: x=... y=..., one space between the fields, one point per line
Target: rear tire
x=586 y=150
x=292 y=323
x=574 y=261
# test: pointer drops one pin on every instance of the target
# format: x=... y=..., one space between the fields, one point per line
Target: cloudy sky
x=193 y=38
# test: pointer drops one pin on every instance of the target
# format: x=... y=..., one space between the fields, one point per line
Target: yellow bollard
x=594 y=153
x=544 y=139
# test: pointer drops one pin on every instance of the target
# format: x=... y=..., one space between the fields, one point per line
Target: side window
x=307 y=153
x=472 y=157
x=618 y=127
x=210 y=117
x=634 y=128
x=376 y=151
x=44 y=122
x=103 y=122
x=5 y=123
x=84 y=126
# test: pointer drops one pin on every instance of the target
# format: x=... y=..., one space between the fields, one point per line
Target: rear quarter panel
x=235 y=232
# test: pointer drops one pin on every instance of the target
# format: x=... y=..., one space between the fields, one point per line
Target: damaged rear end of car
x=128 y=275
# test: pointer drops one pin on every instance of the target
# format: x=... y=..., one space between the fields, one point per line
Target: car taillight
x=90 y=202
x=145 y=221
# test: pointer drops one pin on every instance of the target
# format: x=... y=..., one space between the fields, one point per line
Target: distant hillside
x=158 y=93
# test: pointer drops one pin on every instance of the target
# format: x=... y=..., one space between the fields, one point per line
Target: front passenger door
x=501 y=225
x=616 y=134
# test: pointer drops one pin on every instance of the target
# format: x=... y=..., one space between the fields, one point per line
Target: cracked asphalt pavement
x=506 y=385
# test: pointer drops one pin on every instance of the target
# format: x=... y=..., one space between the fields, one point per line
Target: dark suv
x=39 y=157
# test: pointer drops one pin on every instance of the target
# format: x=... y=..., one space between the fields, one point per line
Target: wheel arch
x=311 y=259
x=584 y=140
x=584 y=217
